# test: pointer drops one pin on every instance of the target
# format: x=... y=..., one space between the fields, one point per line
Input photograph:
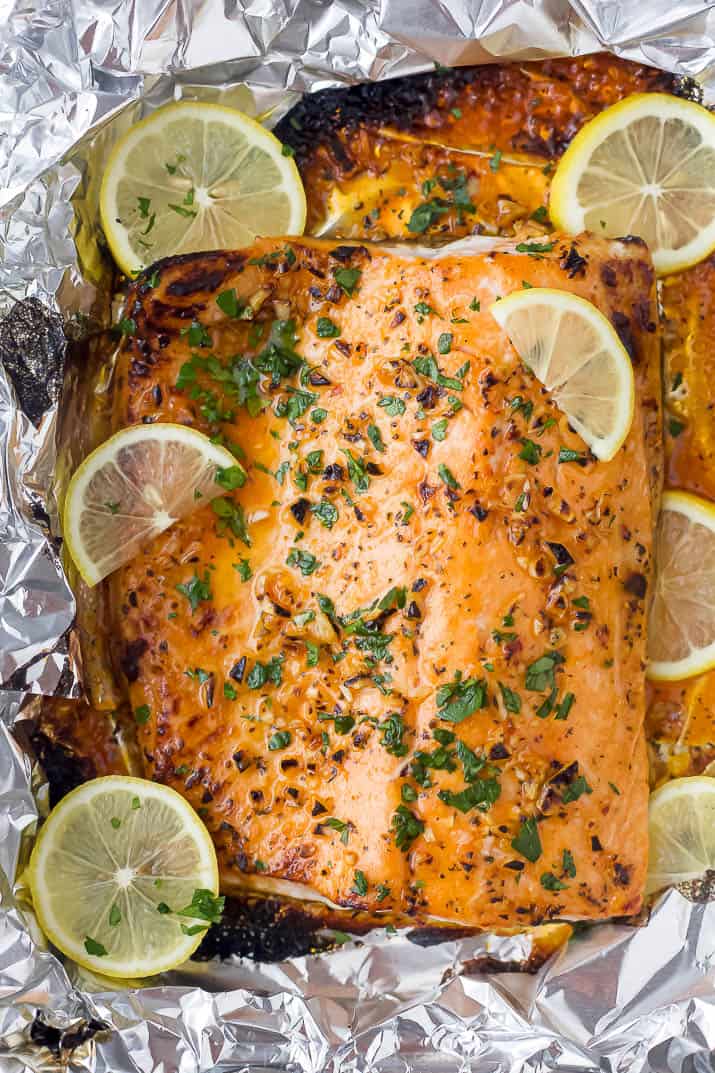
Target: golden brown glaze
x=408 y=525
x=373 y=154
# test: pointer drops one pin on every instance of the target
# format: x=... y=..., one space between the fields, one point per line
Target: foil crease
x=618 y=997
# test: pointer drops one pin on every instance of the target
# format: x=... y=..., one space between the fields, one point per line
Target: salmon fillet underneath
x=400 y=665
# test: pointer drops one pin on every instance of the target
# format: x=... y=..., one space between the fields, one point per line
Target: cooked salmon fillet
x=681 y=715
x=399 y=663
x=468 y=150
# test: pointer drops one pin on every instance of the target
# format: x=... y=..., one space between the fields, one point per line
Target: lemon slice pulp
x=124 y=877
x=576 y=354
x=194 y=177
x=645 y=166
x=681 y=630
x=681 y=831
x=135 y=486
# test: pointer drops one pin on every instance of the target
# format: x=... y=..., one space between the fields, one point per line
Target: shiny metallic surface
x=72 y=76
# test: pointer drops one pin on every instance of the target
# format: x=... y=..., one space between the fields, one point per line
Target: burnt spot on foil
x=61 y=1042
x=32 y=351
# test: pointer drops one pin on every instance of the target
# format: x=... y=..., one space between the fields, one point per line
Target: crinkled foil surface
x=617 y=997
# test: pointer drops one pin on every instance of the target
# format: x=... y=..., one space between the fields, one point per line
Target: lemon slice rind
x=585 y=165
x=540 y=322
x=216 y=197
x=117 y=527
x=681 y=831
x=699 y=512
x=74 y=888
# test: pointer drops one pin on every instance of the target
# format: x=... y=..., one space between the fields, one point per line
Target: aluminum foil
x=618 y=997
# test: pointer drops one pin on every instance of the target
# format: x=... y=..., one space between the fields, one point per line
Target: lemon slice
x=682 y=831
x=646 y=167
x=576 y=354
x=124 y=877
x=135 y=486
x=681 y=631
x=195 y=177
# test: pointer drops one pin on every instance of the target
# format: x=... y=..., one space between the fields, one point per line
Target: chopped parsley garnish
x=475 y=305
x=547 y=706
x=243 y=569
x=540 y=673
x=447 y=476
x=530 y=452
x=327 y=328
x=204 y=905
x=263 y=673
x=440 y=759
x=383 y=891
x=231 y=477
x=347 y=279
x=479 y=794
x=574 y=790
x=280 y=740
x=495 y=160
x=408 y=793
x=551 y=882
x=568 y=864
x=534 y=248
x=304 y=560
x=527 y=841
x=423 y=309
x=127 y=326
x=439 y=429
x=196 y=590
x=338 y=825
x=196 y=334
x=471 y=763
x=444 y=343
x=392 y=730
x=512 y=700
x=326 y=513
x=318 y=415
x=232 y=516
x=357 y=472
x=565 y=706
x=393 y=406
x=459 y=699
x=188 y=213
x=229 y=691
x=375 y=437
x=142 y=713
x=115 y=916
x=228 y=303
x=343 y=723
x=359 y=883
x=567 y=454
x=314 y=460
x=94 y=948
x=297 y=403
x=675 y=427
x=406 y=826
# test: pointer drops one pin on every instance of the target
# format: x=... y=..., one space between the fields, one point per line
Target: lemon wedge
x=645 y=166
x=681 y=831
x=194 y=177
x=681 y=630
x=576 y=354
x=135 y=486
x=124 y=877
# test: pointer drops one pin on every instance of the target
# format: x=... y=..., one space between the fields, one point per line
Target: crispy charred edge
x=406 y=102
